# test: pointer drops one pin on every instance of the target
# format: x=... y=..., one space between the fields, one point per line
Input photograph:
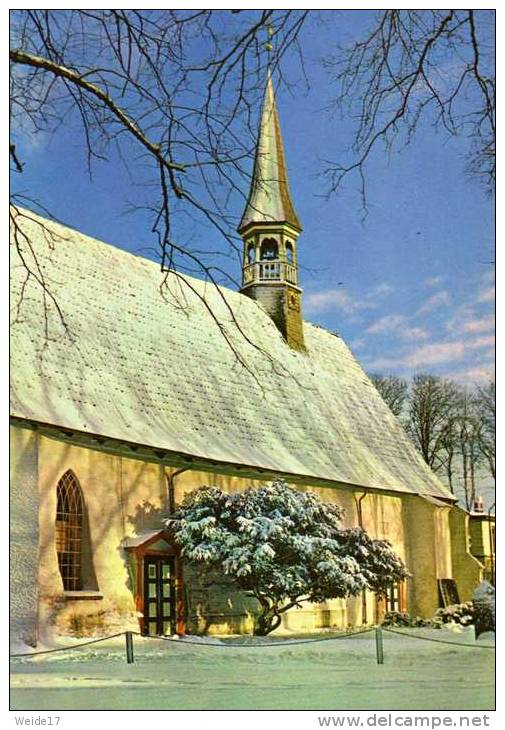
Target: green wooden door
x=159 y=595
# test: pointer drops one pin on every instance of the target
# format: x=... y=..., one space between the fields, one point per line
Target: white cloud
x=328 y=299
x=486 y=295
x=414 y=333
x=357 y=344
x=485 y=324
x=397 y=324
x=383 y=288
x=439 y=299
x=433 y=281
x=389 y=323
x=324 y=301
x=426 y=356
x=435 y=353
x=481 y=342
x=479 y=374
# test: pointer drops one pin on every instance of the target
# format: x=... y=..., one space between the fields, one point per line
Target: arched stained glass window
x=69 y=527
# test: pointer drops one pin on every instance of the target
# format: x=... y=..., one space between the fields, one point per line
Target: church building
x=126 y=395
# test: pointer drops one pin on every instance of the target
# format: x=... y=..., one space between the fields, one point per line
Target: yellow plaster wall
x=122 y=497
x=429 y=552
x=480 y=544
x=383 y=519
x=24 y=535
x=335 y=613
x=442 y=539
x=467 y=570
x=478 y=537
x=126 y=496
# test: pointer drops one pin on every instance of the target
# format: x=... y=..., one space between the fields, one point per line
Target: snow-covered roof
x=150 y=367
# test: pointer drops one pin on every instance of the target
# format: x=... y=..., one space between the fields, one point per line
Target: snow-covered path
x=332 y=675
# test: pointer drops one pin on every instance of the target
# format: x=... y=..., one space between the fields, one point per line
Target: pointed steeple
x=270 y=229
x=269 y=197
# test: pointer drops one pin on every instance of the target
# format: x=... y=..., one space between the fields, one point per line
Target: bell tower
x=270 y=229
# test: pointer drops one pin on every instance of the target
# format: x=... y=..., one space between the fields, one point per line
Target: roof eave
x=247 y=227
x=166 y=457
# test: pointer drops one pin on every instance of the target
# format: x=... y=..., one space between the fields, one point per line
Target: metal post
x=379 y=645
x=129 y=647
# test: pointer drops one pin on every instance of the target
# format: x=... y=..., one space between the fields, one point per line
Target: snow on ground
x=244 y=673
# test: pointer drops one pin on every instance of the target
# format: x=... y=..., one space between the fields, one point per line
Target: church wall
x=443 y=554
x=422 y=589
x=126 y=497
x=429 y=555
x=122 y=497
x=467 y=571
x=480 y=535
x=226 y=609
x=24 y=535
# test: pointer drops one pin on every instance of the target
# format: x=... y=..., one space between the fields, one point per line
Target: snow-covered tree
x=282 y=546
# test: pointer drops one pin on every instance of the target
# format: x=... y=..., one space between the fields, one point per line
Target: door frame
x=141 y=548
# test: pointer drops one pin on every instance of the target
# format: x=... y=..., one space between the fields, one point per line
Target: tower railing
x=272 y=270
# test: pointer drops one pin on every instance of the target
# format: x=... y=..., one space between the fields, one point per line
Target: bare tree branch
x=415 y=65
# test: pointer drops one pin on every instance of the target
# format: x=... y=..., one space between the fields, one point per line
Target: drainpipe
x=491 y=542
x=171 y=490
x=180 y=602
x=360 y=523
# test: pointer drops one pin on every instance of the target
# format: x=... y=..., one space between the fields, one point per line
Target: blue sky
x=410 y=288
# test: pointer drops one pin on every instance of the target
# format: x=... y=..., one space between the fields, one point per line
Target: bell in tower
x=270 y=229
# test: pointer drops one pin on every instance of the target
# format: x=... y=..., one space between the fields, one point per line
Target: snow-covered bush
x=401 y=618
x=458 y=613
x=396 y=618
x=282 y=546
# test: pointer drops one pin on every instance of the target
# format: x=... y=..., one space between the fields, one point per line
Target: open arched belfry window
x=269 y=249
x=69 y=531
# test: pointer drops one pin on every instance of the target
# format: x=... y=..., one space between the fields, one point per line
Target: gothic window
x=289 y=252
x=69 y=531
x=269 y=249
x=251 y=253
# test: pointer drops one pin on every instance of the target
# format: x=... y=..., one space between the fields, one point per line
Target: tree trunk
x=472 y=478
x=450 y=456
x=265 y=623
x=271 y=614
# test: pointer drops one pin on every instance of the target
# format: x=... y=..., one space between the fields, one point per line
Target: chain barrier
x=67 y=648
x=187 y=640
x=436 y=641
x=230 y=645
x=281 y=642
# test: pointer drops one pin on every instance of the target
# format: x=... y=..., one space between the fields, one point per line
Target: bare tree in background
x=453 y=427
x=393 y=390
x=467 y=444
x=449 y=448
x=433 y=408
x=415 y=66
x=485 y=407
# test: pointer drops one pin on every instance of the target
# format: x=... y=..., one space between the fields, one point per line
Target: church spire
x=269 y=197
x=270 y=228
